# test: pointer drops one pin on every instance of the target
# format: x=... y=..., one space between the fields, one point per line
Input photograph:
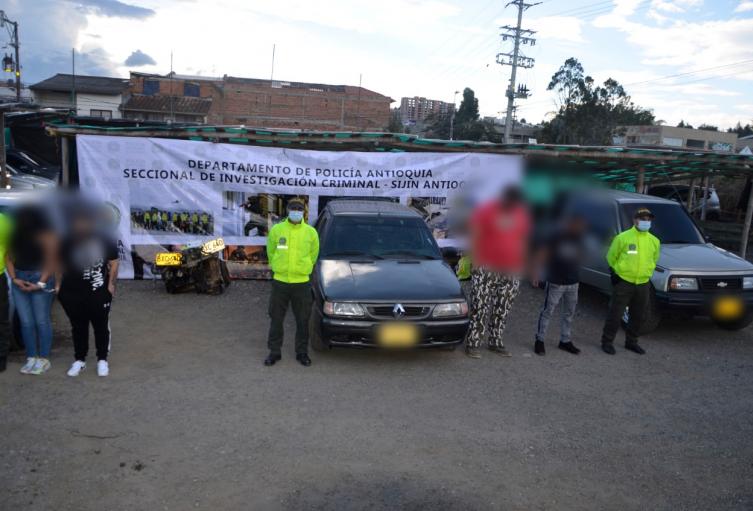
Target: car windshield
x=671 y=223
x=380 y=237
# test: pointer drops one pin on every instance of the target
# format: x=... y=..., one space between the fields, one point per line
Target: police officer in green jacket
x=632 y=258
x=292 y=248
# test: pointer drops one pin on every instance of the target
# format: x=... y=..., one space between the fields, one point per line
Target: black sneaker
x=272 y=359
x=569 y=347
x=635 y=348
x=608 y=348
x=303 y=359
x=539 y=348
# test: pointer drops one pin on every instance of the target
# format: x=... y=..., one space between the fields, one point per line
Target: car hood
x=388 y=280
x=702 y=258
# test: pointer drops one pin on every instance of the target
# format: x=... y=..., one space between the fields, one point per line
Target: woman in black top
x=89 y=265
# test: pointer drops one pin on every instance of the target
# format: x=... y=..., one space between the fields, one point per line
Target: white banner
x=171 y=192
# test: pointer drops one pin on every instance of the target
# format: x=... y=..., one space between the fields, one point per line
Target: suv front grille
x=721 y=283
x=411 y=311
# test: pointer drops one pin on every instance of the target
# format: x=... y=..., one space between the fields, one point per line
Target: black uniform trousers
x=83 y=309
x=300 y=297
x=625 y=294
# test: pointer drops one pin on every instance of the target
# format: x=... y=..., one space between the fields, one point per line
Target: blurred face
x=642 y=223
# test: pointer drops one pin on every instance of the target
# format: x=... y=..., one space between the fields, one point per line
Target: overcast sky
x=413 y=47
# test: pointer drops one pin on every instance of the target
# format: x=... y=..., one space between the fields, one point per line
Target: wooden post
x=705 y=202
x=65 y=156
x=639 y=181
x=689 y=204
x=4 y=181
x=746 y=225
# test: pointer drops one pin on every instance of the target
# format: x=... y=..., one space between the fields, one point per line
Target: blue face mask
x=644 y=225
x=295 y=216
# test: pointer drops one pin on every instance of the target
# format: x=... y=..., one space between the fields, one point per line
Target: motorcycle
x=197 y=267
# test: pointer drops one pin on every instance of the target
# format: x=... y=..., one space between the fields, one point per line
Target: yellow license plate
x=397 y=335
x=728 y=308
x=212 y=246
x=168 y=259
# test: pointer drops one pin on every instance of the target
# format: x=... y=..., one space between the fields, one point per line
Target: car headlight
x=351 y=310
x=447 y=310
x=747 y=282
x=683 y=284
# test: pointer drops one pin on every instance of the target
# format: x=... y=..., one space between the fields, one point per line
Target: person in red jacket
x=499 y=240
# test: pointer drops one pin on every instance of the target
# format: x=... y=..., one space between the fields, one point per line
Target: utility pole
x=515 y=60
x=74 y=110
x=16 y=67
x=452 y=115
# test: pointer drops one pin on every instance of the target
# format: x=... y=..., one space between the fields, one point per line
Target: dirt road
x=190 y=419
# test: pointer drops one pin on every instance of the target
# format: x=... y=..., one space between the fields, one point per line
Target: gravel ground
x=190 y=419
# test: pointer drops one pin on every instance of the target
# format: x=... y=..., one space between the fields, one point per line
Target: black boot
x=272 y=359
x=303 y=359
x=635 y=348
x=569 y=347
x=608 y=348
x=539 y=348
x=3 y=363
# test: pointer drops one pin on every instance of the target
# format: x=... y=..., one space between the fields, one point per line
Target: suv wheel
x=739 y=324
x=315 y=330
x=651 y=316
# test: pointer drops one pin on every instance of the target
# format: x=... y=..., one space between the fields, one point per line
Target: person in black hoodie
x=89 y=268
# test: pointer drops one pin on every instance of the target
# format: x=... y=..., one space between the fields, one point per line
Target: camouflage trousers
x=492 y=295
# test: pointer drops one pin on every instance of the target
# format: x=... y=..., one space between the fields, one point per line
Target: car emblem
x=721 y=284
x=398 y=311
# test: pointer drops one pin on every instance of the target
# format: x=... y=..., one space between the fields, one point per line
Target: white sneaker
x=29 y=365
x=103 y=368
x=41 y=366
x=76 y=368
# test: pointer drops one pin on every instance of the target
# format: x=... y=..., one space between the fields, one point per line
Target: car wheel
x=738 y=324
x=651 y=316
x=315 y=330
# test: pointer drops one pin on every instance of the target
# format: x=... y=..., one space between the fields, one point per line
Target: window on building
x=104 y=114
x=698 y=144
x=191 y=90
x=151 y=87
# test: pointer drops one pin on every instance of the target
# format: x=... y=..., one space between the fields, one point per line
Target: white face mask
x=295 y=216
x=644 y=225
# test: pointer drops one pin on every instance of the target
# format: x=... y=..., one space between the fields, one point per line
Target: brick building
x=181 y=98
x=252 y=102
x=298 y=105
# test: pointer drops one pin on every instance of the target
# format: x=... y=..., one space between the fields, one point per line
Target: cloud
x=138 y=58
x=744 y=6
x=112 y=8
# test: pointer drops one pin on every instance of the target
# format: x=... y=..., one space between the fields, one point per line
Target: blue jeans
x=34 y=312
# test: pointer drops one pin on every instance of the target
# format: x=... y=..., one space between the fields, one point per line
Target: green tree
x=466 y=126
x=742 y=131
x=396 y=122
x=588 y=113
x=683 y=124
x=708 y=127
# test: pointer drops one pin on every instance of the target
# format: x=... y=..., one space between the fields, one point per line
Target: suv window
x=598 y=214
x=378 y=235
x=671 y=223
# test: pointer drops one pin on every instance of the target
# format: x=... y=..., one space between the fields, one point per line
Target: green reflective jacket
x=633 y=255
x=464 y=268
x=292 y=250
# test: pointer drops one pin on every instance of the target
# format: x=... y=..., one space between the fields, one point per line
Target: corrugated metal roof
x=84 y=84
x=166 y=104
x=609 y=163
